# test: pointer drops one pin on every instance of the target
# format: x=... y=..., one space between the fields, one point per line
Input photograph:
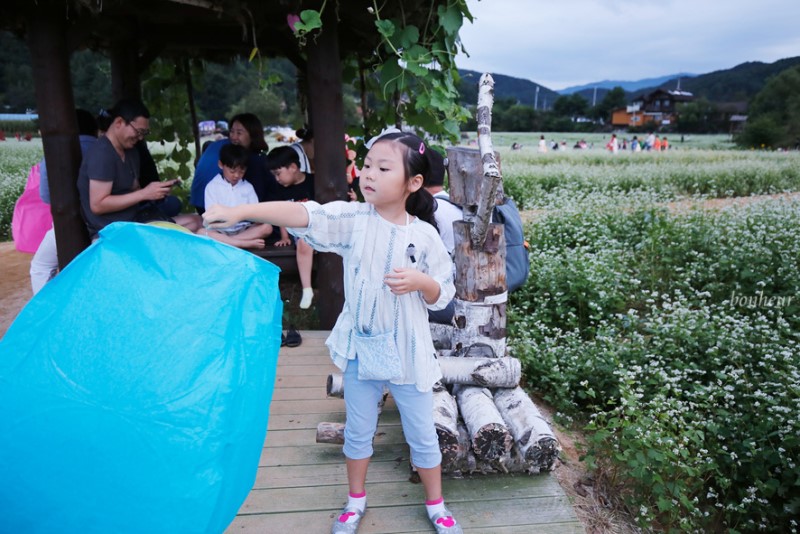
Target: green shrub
x=23 y=127
x=631 y=321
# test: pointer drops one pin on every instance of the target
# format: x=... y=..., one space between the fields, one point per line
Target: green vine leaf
x=310 y=20
x=385 y=28
x=451 y=18
x=407 y=36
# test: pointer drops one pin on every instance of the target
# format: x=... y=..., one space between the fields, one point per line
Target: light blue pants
x=416 y=414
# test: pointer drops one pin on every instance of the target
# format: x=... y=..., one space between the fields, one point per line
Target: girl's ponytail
x=422 y=204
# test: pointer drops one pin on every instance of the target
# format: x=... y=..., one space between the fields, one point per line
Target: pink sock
x=356 y=501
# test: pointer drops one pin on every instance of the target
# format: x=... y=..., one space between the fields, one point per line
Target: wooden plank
x=319 y=335
x=399 y=491
x=299 y=381
x=328 y=405
x=311 y=420
x=486 y=516
x=307 y=437
x=307 y=352
x=326 y=475
x=297 y=393
x=305 y=370
x=309 y=356
x=325 y=454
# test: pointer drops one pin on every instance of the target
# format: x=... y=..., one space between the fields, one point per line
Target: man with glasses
x=108 y=181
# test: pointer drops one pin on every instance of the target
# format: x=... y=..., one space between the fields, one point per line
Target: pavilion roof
x=210 y=29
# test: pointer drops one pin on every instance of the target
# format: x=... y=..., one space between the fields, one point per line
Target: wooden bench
x=284 y=257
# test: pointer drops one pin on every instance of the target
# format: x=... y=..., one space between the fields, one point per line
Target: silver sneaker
x=340 y=527
x=442 y=527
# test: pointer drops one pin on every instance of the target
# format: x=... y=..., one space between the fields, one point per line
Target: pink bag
x=32 y=218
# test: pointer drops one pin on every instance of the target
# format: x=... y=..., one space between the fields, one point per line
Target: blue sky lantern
x=135 y=387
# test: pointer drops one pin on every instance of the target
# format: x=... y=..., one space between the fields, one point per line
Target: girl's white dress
x=371 y=247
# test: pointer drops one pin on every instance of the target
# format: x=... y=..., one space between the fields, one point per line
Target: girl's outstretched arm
x=291 y=214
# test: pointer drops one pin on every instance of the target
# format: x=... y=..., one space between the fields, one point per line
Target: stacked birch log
x=485 y=422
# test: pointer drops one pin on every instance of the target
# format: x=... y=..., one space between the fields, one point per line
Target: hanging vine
x=411 y=77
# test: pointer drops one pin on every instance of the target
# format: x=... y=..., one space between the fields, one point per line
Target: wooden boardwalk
x=301 y=485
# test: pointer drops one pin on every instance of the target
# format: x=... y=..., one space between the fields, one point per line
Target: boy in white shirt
x=229 y=188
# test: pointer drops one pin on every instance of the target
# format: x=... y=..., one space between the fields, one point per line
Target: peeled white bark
x=332 y=433
x=488 y=433
x=481 y=323
x=335 y=388
x=442 y=335
x=445 y=419
x=335 y=385
x=533 y=436
x=491 y=170
x=484 y=372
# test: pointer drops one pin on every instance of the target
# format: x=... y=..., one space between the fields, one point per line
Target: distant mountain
x=521 y=90
x=629 y=86
x=738 y=84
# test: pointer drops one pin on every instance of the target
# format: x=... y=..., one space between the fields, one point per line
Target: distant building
x=659 y=108
x=734 y=113
x=737 y=123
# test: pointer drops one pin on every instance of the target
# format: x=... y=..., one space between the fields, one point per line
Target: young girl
x=395 y=267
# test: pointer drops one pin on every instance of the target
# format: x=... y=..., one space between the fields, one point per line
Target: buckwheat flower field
x=672 y=337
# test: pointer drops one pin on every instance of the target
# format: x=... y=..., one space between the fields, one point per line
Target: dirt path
x=15 y=283
x=685 y=206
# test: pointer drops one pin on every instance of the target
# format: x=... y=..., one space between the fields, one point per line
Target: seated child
x=229 y=188
x=295 y=185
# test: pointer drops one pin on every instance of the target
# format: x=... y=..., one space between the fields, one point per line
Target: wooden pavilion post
x=125 y=72
x=187 y=72
x=324 y=73
x=47 y=41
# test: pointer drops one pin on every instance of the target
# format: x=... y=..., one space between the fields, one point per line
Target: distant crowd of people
x=652 y=143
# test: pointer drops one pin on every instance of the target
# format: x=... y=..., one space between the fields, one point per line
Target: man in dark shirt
x=108 y=181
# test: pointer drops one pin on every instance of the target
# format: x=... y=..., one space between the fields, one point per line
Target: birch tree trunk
x=481 y=287
x=488 y=434
x=484 y=372
x=532 y=434
x=335 y=388
x=491 y=170
x=442 y=335
x=332 y=433
x=335 y=385
x=445 y=419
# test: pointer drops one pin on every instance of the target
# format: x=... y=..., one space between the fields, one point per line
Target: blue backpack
x=518 y=262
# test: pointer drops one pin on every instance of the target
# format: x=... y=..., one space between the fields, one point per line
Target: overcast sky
x=561 y=43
